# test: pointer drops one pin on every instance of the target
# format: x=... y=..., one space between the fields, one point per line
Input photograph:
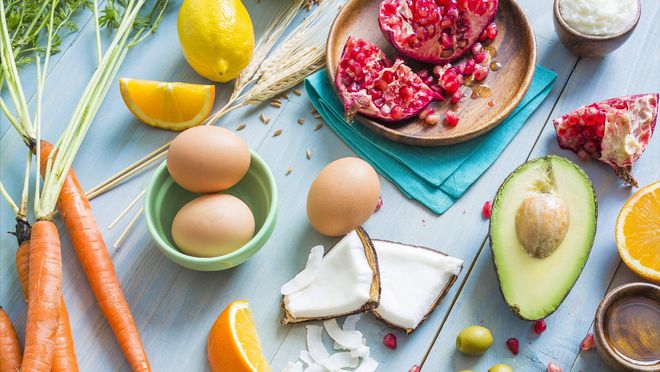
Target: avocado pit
x=541 y=223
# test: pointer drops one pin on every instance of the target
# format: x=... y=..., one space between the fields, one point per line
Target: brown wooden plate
x=515 y=50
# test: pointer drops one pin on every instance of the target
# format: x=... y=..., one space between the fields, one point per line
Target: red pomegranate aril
x=470 y=66
x=487 y=209
x=456 y=97
x=477 y=48
x=513 y=345
x=433 y=119
x=491 y=30
x=390 y=341
x=414 y=368
x=481 y=72
x=552 y=367
x=587 y=343
x=451 y=86
x=451 y=119
x=540 y=326
x=426 y=112
x=396 y=112
x=379 y=205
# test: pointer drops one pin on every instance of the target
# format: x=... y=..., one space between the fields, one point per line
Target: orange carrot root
x=88 y=243
x=45 y=292
x=65 y=355
x=10 y=349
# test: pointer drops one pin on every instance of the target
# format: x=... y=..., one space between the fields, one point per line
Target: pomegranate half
x=615 y=131
x=435 y=31
x=369 y=84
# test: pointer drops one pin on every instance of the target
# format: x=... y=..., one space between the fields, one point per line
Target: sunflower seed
x=297 y=92
x=264 y=119
x=301 y=121
x=289 y=170
x=318 y=126
x=308 y=154
x=240 y=127
x=277 y=133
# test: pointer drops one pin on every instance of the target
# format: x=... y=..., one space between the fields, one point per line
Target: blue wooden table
x=175 y=307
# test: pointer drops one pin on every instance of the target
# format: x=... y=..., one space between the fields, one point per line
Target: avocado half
x=542 y=228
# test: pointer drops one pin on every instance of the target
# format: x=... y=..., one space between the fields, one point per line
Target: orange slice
x=173 y=106
x=638 y=232
x=233 y=343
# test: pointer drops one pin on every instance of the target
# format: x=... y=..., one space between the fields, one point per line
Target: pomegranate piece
x=456 y=97
x=369 y=84
x=513 y=345
x=435 y=31
x=379 y=205
x=552 y=367
x=390 y=341
x=414 y=368
x=487 y=209
x=489 y=33
x=432 y=119
x=451 y=119
x=481 y=72
x=540 y=326
x=587 y=343
x=615 y=131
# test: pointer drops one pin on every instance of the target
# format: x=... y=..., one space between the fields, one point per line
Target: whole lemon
x=216 y=36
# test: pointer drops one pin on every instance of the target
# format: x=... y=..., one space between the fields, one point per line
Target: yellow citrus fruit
x=638 y=232
x=173 y=106
x=216 y=36
x=233 y=343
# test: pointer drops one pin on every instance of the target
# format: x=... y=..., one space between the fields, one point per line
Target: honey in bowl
x=632 y=328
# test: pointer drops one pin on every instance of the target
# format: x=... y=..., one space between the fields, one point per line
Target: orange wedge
x=638 y=232
x=173 y=106
x=233 y=343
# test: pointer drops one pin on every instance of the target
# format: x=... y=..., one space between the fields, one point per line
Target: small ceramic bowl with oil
x=627 y=328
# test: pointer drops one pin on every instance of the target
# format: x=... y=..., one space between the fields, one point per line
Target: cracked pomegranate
x=435 y=31
x=369 y=84
x=390 y=341
x=615 y=131
x=513 y=345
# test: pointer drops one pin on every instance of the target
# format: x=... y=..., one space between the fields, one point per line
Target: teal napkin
x=434 y=176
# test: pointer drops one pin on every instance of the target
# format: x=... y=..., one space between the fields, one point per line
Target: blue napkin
x=434 y=176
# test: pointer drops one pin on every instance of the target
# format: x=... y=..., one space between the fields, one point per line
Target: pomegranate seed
x=432 y=119
x=456 y=97
x=487 y=209
x=390 y=341
x=480 y=57
x=414 y=368
x=552 y=367
x=451 y=119
x=481 y=72
x=491 y=30
x=379 y=205
x=587 y=343
x=540 y=326
x=451 y=86
x=426 y=112
x=477 y=48
x=470 y=65
x=583 y=155
x=513 y=345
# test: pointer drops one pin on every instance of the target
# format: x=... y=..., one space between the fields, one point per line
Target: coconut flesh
x=541 y=223
x=413 y=281
x=342 y=282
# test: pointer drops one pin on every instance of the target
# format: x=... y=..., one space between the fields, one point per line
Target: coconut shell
x=374 y=300
x=437 y=301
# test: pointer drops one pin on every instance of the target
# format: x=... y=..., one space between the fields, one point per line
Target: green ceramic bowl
x=164 y=198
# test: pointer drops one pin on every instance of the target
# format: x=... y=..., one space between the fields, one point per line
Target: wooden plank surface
x=174 y=307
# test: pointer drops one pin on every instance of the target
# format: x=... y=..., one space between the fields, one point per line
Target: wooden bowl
x=516 y=51
x=609 y=354
x=589 y=45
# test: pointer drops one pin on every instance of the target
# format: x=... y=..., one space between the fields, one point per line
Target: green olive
x=500 y=368
x=474 y=340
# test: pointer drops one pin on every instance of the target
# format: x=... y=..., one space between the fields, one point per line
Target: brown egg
x=207 y=159
x=213 y=225
x=343 y=196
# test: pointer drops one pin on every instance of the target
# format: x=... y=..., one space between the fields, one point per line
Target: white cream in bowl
x=599 y=17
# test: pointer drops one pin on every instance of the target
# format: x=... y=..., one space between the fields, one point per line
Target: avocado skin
x=514 y=309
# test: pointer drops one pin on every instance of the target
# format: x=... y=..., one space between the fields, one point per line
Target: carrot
x=45 y=291
x=88 y=243
x=65 y=355
x=10 y=349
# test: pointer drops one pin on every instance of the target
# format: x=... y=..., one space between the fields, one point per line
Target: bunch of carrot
x=48 y=339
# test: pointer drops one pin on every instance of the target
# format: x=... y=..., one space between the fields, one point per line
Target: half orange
x=172 y=106
x=638 y=232
x=233 y=343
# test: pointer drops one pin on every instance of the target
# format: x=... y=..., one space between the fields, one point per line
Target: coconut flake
x=413 y=280
x=347 y=339
x=367 y=365
x=305 y=357
x=293 y=367
x=361 y=352
x=309 y=273
x=341 y=360
x=343 y=284
x=315 y=368
x=315 y=344
x=351 y=322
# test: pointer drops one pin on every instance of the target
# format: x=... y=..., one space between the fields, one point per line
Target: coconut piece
x=307 y=276
x=414 y=281
x=315 y=344
x=305 y=357
x=346 y=339
x=347 y=282
x=367 y=365
x=315 y=368
x=350 y=322
x=341 y=360
x=293 y=367
x=361 y=352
